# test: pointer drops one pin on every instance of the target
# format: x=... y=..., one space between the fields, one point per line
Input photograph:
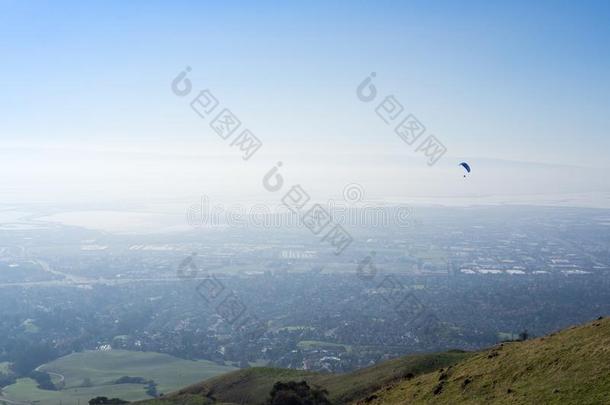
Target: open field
x=25 y=390
x=101 y=369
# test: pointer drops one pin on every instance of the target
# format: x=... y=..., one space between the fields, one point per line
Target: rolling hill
x=568 y=367
x=252 y=386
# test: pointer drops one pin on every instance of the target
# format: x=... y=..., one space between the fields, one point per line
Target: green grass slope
x=101 y=369
x=252 y=386
x=568 y=367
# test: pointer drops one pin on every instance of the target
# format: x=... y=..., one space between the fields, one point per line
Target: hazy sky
x=87 y=106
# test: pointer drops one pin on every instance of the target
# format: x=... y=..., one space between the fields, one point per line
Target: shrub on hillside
x=297 y=393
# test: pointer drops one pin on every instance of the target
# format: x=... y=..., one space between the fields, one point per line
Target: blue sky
x=493 y=80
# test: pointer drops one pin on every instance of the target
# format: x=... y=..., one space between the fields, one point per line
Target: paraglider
x=465 y=166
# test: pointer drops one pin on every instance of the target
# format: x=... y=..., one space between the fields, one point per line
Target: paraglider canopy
x=465 y=166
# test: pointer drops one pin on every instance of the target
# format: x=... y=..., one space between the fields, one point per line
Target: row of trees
x=106 y=401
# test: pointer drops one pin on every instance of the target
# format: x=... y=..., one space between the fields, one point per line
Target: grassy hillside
x=568 y=367
x=85 y=375
x=252 y=386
